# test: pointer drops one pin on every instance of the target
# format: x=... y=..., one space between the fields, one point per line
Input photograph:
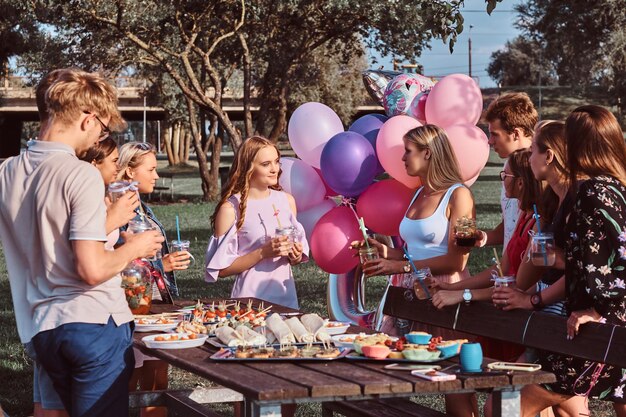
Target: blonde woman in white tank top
x=428 y=230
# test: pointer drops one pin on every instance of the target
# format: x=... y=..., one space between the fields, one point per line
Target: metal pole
x=144 y=111
x=469 y=44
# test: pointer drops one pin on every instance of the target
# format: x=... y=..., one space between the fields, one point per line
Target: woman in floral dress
x=595 y=256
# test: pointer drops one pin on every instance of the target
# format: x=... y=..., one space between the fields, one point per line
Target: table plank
x=319 y=384
x=236 y=376
x=371 y=382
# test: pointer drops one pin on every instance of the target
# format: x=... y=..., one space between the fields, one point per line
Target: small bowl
x=376 y=351
x=344 y=340
x=420 y=354
x=418 y=338
x=449 y=350
x=336 y=327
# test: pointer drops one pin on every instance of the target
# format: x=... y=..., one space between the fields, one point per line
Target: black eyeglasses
x=503 y=175
x=105 y=132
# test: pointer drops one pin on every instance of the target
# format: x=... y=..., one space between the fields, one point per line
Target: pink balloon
x=389 y=197
x=390 y=148
x=329 y=191
x=310 y=127
x=300 y=180
x=470 y=147
x=455 y=99
x=471 y=181
x=309 y=218
x=331 y=238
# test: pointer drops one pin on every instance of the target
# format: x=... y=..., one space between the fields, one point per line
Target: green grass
x=16 y=369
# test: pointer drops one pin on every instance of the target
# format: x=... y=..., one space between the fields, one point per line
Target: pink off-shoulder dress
x=271 y=279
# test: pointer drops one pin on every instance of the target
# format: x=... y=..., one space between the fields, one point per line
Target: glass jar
x=137 y=285
x=542 y=251
x=368 y=254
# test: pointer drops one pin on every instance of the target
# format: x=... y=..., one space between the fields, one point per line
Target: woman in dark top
x=595 y=259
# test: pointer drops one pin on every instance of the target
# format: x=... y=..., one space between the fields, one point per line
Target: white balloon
x=301 y=181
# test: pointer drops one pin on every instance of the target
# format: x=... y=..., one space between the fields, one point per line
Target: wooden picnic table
x=267 y=385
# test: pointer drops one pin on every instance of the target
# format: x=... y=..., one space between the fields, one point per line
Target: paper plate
x=174 y=344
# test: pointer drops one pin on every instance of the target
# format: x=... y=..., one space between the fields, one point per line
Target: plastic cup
x=182 y=246
x=542 y=251
x=140 y=225
x=288 y=231
x=117 y=189
x=506 y=281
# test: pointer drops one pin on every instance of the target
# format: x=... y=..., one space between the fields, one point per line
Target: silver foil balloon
x=376 y=81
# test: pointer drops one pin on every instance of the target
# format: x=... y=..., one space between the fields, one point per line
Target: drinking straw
x=543 y=247
x=362 y=227
x=276 y=215
x=421 y=282
x=495 y=254
x=177 y=228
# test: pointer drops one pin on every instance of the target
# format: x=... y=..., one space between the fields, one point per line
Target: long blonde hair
x=443 y=171
x=131 y=154
x=240 y=174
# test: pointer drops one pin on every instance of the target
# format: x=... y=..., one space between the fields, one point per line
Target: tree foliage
x=586 y=41
x=282 y=51
x=521 y=62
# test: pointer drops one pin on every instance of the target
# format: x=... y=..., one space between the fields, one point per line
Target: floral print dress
x=595 y=256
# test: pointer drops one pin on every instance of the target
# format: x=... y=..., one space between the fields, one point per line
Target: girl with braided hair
x=244 y=243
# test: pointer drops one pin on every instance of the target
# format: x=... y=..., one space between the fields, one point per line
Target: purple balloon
x=348 y=163
x=368 y=126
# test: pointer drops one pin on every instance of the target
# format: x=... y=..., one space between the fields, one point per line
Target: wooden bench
x=398 y=407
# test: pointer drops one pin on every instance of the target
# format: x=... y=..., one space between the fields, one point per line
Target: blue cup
x=471 y=357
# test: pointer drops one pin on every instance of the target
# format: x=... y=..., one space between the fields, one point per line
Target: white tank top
x=428 y=237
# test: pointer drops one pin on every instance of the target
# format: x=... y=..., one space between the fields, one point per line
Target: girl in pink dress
x=245 y=243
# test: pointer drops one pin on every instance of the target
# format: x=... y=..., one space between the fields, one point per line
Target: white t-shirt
x=510 y=214
x=48 y=197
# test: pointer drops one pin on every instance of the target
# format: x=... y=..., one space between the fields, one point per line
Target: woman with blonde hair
x=428 y=231
x=137 y=162
x=245 y=243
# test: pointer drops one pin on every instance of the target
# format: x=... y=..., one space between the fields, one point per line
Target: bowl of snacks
x=367 y=340
x=376 y=351
x=418 y=338
x=336 y=327
x=420 y=353
x=448 y=348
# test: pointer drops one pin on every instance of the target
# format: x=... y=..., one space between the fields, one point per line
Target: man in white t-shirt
x=512 y=118
x=65 y=286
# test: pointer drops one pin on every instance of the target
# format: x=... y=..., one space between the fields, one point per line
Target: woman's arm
x=295 y=254
x=449 y=298
x=277 y=246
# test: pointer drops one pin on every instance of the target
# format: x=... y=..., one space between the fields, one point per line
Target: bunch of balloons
x=346 y=163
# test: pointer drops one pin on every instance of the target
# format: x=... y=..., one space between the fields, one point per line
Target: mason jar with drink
x=542 y=250
x=465 y=231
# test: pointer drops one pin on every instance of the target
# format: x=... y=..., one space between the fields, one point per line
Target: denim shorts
x=43 y=389
x=90 y=366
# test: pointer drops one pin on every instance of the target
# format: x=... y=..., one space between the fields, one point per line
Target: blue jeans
x=90 y=366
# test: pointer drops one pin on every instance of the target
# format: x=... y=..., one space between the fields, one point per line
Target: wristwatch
x=406 y=267
x=536 y=301
x=467 y=296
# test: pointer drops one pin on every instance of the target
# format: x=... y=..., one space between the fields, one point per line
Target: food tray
x=228 y=355
x=356 y=356
x=156 y=327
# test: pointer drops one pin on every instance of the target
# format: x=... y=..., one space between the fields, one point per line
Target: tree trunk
x=280 y=122
x=185 y=150
x=247 y=114
x=209 y=185
x=176 y=142
x=167 y=143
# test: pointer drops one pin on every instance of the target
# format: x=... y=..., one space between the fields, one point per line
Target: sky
x=489 y=33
